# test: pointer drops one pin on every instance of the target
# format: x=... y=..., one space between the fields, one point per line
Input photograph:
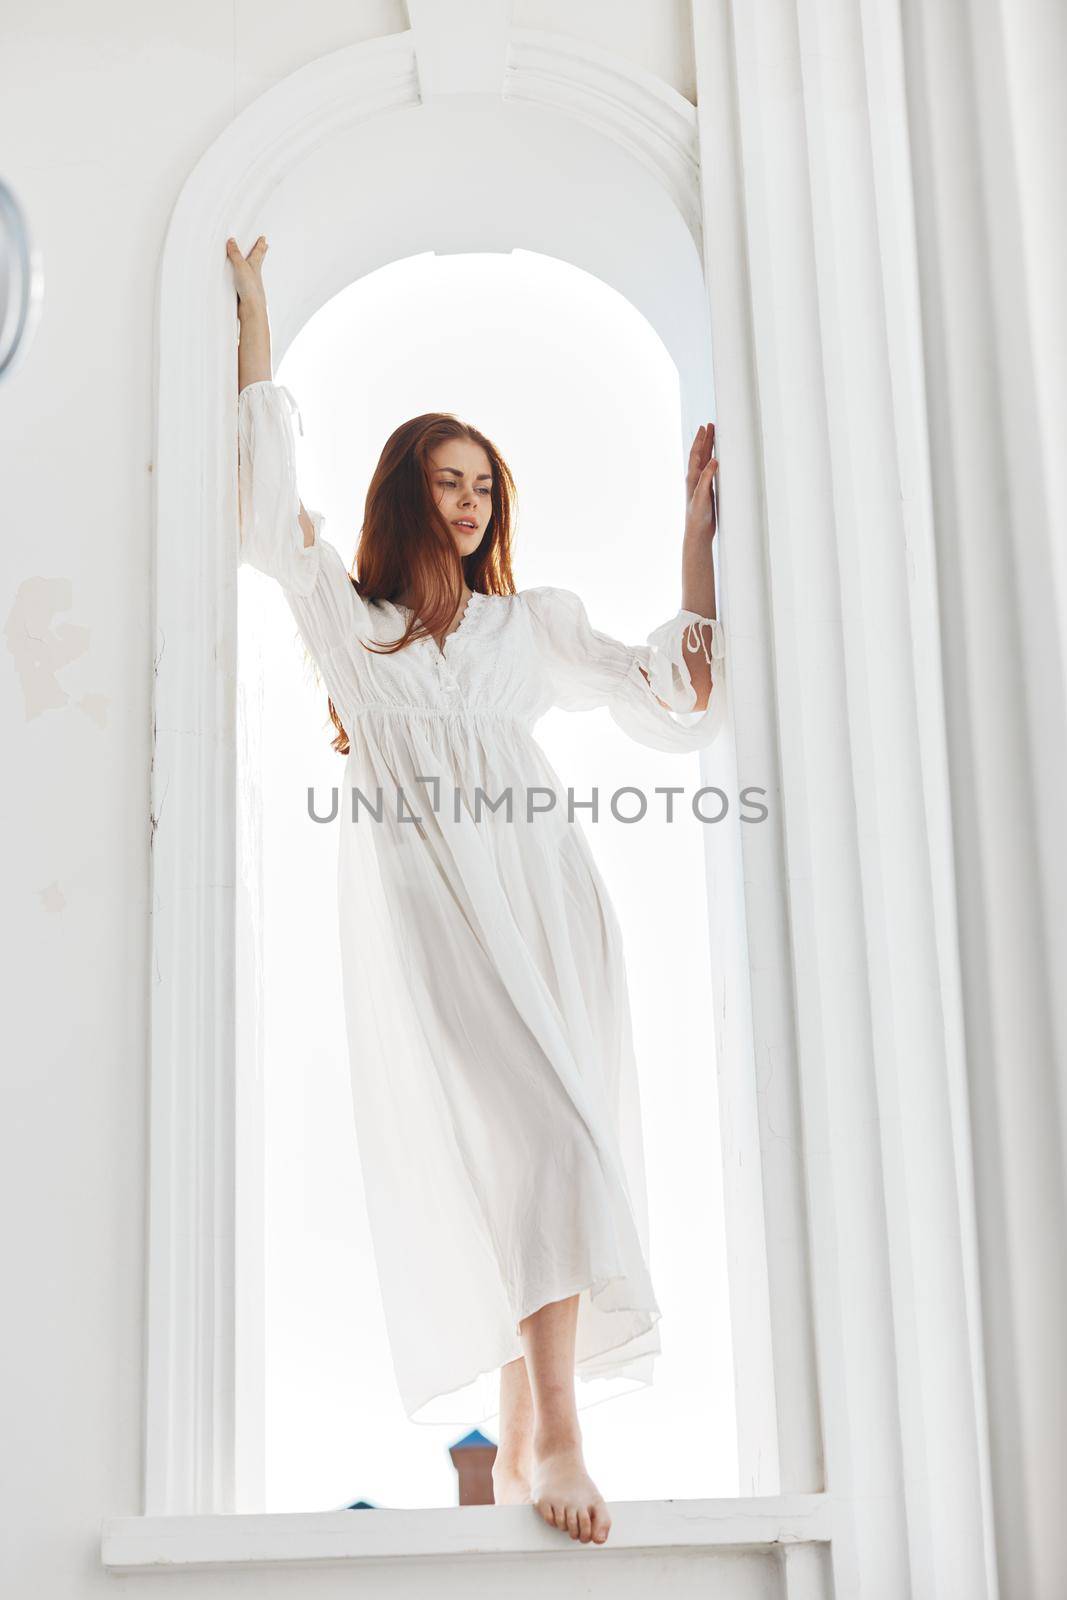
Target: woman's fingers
x=709 y=478
x=703 y=445
x=697 y=456
x=703 y=496
x=702 y=512
x=254 y=258
x=247 y=270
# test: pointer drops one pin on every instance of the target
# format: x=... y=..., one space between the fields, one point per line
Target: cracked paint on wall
x=42 y=648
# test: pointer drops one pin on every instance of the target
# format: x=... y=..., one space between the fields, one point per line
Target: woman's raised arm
x=253 y=350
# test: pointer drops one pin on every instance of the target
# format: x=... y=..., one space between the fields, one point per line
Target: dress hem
x=594 y=1287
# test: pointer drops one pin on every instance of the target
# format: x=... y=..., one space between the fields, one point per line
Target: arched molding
x=634 y=109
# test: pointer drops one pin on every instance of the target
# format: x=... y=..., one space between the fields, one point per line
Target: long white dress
x=487 y=1015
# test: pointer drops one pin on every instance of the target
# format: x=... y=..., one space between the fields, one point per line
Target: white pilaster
x=811 y=274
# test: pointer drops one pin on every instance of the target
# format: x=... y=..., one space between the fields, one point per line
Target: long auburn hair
x=406 y=546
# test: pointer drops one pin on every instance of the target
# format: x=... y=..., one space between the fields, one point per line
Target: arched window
x=580 y=393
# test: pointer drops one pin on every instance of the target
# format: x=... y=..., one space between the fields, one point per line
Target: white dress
x=486 y=1007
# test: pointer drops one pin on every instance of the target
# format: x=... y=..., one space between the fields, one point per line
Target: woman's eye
x=450 y=483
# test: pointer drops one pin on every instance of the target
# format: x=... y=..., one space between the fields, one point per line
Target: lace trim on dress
x=467 y=617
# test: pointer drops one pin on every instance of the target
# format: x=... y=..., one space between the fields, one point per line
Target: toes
x=588 y=1523
x=552 y=1513
x=601 y=1523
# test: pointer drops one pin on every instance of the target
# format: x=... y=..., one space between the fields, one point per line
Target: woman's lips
x=465 y=522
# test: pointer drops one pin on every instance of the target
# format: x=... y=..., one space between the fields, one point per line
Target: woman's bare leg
x=560 y=1487
x=514 y=1454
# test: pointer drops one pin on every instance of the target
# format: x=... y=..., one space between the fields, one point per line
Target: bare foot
x=511 y=1481
x=566 y=1495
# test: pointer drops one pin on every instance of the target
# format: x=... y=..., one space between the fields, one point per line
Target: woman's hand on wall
x=253 y=353
x=248 y=275
x=698 y=567
x=700 y=513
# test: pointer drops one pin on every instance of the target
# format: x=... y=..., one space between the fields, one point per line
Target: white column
x=854 y=109
x=828 y=556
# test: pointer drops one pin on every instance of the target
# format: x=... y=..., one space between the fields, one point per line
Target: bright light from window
x=579 y=394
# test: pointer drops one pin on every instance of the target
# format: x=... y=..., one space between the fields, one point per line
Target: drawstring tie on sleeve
x=294 y=408
x=668 y=669
x=699 y=642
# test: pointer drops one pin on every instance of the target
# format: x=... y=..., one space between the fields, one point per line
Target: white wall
x=103 y=111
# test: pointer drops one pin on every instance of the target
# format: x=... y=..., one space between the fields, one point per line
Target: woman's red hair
x=406 y=546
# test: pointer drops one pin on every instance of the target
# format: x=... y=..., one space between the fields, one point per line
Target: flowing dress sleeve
x=317 y=584
x=587 y=668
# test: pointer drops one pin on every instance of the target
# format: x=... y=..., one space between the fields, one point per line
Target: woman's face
x=461 y=478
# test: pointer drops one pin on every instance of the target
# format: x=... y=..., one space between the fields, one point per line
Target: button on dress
x=486 y=1008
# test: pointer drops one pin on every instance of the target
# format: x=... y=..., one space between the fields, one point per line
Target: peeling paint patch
x=95 y=706
x=52 y=897
x=42 y=647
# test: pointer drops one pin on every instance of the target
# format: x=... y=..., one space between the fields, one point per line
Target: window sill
x=236 y=1540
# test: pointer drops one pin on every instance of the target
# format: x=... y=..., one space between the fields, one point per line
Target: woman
x=493 y=1077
